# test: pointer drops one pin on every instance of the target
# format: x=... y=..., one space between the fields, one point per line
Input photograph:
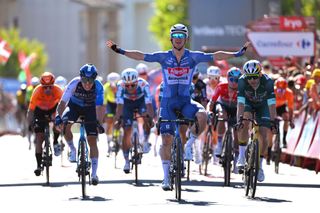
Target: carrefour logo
x=304 y=43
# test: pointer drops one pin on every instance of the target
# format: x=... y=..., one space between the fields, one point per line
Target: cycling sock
x=126 y=155
x=166 y=167
x=94 y=164
x=191 y=139
x=242 y=150
x=39 y=159
x=71 y=145
x=261 y=161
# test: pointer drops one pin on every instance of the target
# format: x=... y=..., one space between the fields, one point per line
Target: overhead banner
x=283 y=43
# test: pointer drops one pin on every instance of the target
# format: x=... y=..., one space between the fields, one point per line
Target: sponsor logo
x=178 y=71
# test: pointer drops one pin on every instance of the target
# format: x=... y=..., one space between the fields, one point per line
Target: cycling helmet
x=179 y=28
x=113 y=77
x=252 y=67
x=281 y=83
x=213 y=71
x=234 y=72
x=61 y=81
x=89 y=71
x=316 y=73
x=129 y=75
x=142 y=68
x=23 y=87
x=35 y=81
x=47 y=79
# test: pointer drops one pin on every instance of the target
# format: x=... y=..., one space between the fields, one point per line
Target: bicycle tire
x=277 y=154
x=227 y=158
x=135 y=155
x=47 y=160
x=247 y=170
x=255 y=169
x=83 y=167
x=206 y=152
x=179 y=169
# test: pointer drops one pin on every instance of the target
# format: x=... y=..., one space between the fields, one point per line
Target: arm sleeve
x=241 y=97
x=271 y=98
x=70 y=90
x=199 y=57
x=155 y=57
x=99 y=89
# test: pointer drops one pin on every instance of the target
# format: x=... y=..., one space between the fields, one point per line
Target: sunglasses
x=254 y=77
x=233 y=80
x=130 y=85
x=87 y=80
x=214 y=78
x=178 y=35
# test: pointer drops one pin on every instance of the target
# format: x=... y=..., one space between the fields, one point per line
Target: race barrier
x=303 y=142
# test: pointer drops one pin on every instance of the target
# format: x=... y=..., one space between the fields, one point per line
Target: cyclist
x=83 y=96
x=284 y=105
x=225 y=94
x=21 y=103
x=213 y=79
x=142 y=70
x=110 y=89
x=177 y=70
x=35 y=81
x=132 y=93
x=315 y=89
x=255 y=93
x=43 y=102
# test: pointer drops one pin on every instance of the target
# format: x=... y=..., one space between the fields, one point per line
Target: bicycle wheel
x=47 y=156
x=227 y=158
x=277 y=154
x=248 y=167
x=135 y=155
x=179 y=168
x=83 y=167
x=254 y=168
x=206 y=152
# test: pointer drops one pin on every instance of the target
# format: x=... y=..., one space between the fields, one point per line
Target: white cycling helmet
x=61 y=81
x=213 y=71
x=179 y=28
x=252 y=67
x=129 y=75
x=35 y=81
x=142 y=68
x=113 y=77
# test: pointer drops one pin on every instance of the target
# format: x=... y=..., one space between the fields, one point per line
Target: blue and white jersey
x=142 y=91
x=177 y=77
x=75 y=93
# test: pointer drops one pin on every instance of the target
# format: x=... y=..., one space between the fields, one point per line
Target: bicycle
x=251 y=168
x=176 y=166
x=276 y=149
x=46 y=150
x=83 y=161
x=207 y=147
x=226 y=157
x=115 y=144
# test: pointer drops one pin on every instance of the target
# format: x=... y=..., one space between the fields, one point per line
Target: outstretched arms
x=133 y=54
x=222 y=55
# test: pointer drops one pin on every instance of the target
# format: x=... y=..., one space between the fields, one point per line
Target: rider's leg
x=221 y=128
x=94 y=154
x=243 y=137
x=285 y=117
x=165 y=154
x=126 y=145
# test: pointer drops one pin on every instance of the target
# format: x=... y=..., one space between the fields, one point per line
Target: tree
x=12 y=67
x=168 y=13
x=303 y=7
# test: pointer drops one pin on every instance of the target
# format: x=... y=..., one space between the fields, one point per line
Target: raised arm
x=222 y=55
x=133 y=54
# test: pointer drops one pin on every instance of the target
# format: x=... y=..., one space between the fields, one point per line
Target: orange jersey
x=284 y=98
x=45 y=101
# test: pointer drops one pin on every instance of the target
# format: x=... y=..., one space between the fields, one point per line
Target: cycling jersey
x=284 y=97
x=109 y=95
x=142 y=91
x=79 y=96
x=223 y=95
x=248 y=95
x=177 y=76
x=40 y=99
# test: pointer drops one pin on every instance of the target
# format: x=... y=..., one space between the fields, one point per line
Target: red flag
x=25 y=64
x=5 y=51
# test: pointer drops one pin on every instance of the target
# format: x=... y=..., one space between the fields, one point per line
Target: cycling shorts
x=231 y=111
x=185 y=105
x=111 y=109
x=129 y=106
x=262 y=113
x=41 y=115
x=74 y=111
x=282 y=109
